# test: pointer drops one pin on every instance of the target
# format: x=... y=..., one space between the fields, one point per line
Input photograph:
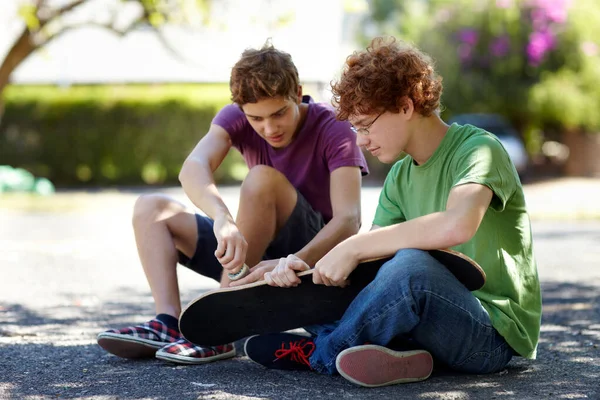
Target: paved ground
x=71 y=273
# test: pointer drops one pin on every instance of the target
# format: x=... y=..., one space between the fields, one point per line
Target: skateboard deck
x=225 y=315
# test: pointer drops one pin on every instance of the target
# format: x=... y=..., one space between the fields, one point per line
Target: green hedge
x=99 y=135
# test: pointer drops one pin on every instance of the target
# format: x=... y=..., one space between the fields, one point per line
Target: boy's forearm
x=198 y=183
x=433 y=231
x=337 y=230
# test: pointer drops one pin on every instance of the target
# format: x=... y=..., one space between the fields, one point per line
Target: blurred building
x=319 y=35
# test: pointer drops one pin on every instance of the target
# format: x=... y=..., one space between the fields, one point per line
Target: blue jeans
x=416 y=302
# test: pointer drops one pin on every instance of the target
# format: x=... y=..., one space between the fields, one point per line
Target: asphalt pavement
x=69 y=274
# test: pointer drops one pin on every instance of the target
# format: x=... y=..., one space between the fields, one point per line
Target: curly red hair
x=383 y=77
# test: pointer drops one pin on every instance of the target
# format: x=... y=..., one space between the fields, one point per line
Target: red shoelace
x=298 y=351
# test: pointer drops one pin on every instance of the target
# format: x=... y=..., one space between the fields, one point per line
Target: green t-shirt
x=502 y=245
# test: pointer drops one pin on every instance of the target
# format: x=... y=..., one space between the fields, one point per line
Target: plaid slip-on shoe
x=186 y=352
x=140 y=341
x=374 y=366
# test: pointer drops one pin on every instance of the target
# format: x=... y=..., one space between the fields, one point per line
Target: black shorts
x=301 y=227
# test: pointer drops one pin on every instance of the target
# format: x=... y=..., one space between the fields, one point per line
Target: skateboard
x=229 y=314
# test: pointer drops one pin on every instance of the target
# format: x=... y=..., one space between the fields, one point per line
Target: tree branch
x=109 y=27
x=59 y=11
x=19 y=51
x=121 y=33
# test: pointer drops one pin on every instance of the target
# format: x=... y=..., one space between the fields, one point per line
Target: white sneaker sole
x=374 y=366
x=127 y=346
x=175 y=358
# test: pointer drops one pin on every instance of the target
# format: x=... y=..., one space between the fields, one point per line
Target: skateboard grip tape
x=240 y=274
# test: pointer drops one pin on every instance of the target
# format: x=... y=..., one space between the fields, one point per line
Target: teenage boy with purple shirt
x=300 y=198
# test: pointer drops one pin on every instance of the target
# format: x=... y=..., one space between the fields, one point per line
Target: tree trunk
x=20 y=50
x=584 y=153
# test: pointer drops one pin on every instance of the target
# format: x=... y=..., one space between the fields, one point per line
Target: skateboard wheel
x=240 y=274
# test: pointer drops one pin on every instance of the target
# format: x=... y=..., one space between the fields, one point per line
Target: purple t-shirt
x=322 y=145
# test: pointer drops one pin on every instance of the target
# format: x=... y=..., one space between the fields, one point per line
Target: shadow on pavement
x=51 y=353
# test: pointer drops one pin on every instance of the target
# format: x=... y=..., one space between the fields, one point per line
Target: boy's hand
x=231 y=244
x=335 y=267
x=281 y=272
x=257 y=272
x=285 y=273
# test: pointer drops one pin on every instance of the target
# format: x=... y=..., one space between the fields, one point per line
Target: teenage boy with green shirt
x=502 y=243
x=456 y=188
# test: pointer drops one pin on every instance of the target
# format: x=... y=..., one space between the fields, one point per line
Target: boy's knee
x=261 y=179
x=407 y=265
x=412 y=260
x=412 y=255
x=148 y=205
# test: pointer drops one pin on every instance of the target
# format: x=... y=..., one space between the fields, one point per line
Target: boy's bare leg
x=162 y=226
x=267 y=200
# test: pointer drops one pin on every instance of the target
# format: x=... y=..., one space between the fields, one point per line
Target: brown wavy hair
x=381 y=77
x=263 y=73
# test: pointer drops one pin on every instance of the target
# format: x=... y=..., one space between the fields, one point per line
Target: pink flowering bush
x=533 y=61
x=531 y=37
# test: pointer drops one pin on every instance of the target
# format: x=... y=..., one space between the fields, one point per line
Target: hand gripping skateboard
x=226 y=315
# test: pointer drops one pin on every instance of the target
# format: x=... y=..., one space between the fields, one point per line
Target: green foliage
x=570 y=98
x=109 y=134
x=28 y=13
x=535 y=62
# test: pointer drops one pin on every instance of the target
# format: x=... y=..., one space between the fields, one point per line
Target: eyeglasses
x=365 y=130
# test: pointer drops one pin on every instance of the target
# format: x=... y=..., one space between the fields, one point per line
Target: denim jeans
x=417 y=301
